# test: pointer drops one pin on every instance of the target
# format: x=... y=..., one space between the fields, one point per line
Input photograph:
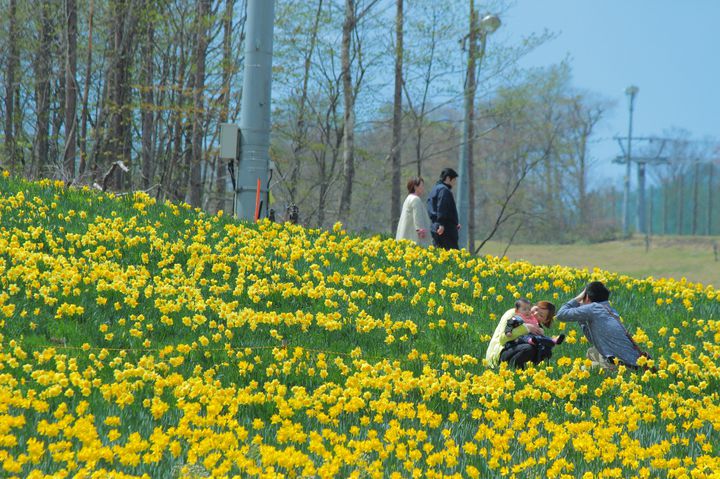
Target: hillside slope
x=152 y=339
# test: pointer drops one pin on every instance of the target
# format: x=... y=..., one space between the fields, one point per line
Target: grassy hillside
x=152 y=340
x=690 y=257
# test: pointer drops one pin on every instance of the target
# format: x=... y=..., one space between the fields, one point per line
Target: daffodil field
x=141 y=339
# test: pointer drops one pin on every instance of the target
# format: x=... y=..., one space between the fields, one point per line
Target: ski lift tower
x=642 y=162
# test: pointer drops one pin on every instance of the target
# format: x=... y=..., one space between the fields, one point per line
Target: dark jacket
x=442 y=209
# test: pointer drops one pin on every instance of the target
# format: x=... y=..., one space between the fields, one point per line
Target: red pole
x=257 y=201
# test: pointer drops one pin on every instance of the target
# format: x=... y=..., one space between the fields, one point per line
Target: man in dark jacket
x=443 y=212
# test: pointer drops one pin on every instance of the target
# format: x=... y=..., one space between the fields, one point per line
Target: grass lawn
x=691 y=257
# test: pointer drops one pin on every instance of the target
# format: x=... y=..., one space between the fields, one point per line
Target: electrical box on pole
x=229 y=141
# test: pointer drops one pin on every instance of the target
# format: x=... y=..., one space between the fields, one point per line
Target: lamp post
x=630 y=91
x=466 y=184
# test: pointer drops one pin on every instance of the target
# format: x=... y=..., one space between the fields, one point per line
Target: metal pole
x=484 y=27
x=463 y=193
x=255 y=108
x=631 y=91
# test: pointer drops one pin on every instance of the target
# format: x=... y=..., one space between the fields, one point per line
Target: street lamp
x=630 y=91
x=490 y=23
x=466 y=187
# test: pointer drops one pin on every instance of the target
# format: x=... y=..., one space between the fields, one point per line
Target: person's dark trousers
x=445 y=241
x=519 y=354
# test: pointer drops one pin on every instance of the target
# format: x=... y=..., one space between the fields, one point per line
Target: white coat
x=413 y=217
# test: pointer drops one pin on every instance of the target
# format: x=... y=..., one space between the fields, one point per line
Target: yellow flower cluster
x=151 y=340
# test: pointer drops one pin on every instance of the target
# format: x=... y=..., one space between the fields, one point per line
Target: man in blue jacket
x=602 y=327
x=443 y=212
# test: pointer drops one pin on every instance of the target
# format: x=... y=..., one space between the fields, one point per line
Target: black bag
x=519 y=352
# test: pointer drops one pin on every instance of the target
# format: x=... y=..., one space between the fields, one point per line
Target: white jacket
x=413 y=217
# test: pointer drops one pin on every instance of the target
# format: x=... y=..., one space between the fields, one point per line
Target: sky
x=669 y=49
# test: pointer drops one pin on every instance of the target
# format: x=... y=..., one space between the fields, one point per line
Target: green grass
x=674 y=257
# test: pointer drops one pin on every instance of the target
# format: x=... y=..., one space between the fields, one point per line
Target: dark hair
x=521 y=301
x=597 y=292
x=447 y=173
x=414 y=183
x=551 y=312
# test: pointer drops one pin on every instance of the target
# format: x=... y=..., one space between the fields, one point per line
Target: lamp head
x=632 y=90
x=490 y=23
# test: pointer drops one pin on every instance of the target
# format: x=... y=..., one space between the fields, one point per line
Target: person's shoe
x=559 y=339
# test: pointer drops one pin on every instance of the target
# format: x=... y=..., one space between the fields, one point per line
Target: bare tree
x=711 y=169
x=696 y=189
x=194 y=192
x=42 y=89
x=86 y=92
x=349 y=112
x=352 y=17
x=328 y=138
x=147 y=88
x=112 y=141
x=397 y=118
x=301 y=131
x=530 y=129
x=11 y=88
x=229 y=67
x=583 y=116
x=70 y=88
x=433 y=33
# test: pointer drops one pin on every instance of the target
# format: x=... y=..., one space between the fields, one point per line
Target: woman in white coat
x=414 y=221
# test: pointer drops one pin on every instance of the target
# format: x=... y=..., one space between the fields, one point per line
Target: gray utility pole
x=642 y=162
x=631 y=91
x=466 y=180
x=255 y=110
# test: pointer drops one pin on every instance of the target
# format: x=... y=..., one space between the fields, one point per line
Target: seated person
x=508 y=349
x=522 y=316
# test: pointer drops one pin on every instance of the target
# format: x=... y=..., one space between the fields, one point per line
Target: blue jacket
x=602 y=328
x=441 y=208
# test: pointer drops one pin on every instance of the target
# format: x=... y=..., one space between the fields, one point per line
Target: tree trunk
x=427 y=79
x=147 y=86
x=221 y=181
x=124 y=179
x=397 y=119
x=710 y=198
x=194 y=194
x=666 y=206
x=178 y=99
x=323 y=194
x=57 y=99
x=86 y=93
x=10 y=86
x=71 y=89
x=696 y=187
x=349 y=114
x=117 y=145
x=582 y=180
x=300 y=127
x=42 y=91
